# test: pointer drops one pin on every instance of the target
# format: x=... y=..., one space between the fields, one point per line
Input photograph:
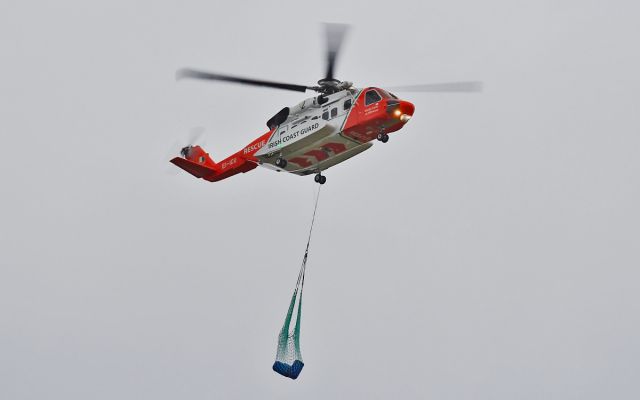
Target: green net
x=288 y=356
x=289 y=338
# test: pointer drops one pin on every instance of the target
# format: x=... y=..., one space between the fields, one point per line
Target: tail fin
x=197 y=162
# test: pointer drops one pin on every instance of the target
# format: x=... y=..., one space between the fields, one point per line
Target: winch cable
x=288 y=356
x=306 y=250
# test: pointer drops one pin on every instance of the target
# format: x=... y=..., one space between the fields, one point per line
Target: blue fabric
x=296 y=368
x=290 y=371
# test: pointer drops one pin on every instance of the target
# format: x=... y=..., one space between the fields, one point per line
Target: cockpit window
x=371 y=97
x=386 y=95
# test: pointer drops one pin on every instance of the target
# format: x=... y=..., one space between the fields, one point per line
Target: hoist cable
x=306 y=251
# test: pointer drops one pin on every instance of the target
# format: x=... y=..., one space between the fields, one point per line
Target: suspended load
x=288 y=356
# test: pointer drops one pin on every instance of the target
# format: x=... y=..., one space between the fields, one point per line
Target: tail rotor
x=194 y=137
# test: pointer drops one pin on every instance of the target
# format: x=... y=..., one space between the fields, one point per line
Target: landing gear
x=321 y=179
x=281 y=162
x=383 y=137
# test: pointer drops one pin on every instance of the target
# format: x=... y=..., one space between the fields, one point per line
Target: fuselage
x=312 y=136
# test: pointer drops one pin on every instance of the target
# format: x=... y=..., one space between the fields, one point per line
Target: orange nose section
x=406 y=110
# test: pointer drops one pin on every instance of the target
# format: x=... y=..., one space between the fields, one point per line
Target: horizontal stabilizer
x=195 y=169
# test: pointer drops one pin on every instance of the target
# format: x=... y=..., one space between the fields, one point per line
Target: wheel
x=317 y=178
x=385 y=138
x=281 y=162
x=380 y=136
x=323 y=179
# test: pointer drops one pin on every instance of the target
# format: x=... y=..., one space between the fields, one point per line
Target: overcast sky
x=488 y=251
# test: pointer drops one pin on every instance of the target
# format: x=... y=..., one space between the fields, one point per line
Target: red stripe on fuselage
x=300 y=161
x=318 y=154
x=336 y=148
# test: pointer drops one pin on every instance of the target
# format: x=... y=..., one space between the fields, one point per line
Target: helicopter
x=340 y=122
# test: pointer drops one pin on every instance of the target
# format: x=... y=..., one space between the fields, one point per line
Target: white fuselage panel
x=308 y=139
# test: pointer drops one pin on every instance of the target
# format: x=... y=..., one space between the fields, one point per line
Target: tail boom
x=198 y=163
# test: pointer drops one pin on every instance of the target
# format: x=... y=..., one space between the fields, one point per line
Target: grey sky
x=488 y=251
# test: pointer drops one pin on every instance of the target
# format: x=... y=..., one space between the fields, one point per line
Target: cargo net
x=288 y=356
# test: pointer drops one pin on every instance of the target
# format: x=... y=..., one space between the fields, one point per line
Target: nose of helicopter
x=407 y=110
x=403 y=111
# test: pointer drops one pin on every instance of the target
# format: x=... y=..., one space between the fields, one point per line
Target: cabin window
x=334 y=112
x=371 y=97
x=325 y=115
x=347 y=104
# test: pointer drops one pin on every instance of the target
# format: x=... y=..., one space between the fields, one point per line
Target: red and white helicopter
x=319 y=132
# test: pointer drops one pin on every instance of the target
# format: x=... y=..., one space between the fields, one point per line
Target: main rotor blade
x=335 y=36
x=194 y=74
x=448 y=87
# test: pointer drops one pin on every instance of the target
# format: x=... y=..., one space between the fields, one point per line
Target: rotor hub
x=186 y=151
x=329 y=82
x=330 y=86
